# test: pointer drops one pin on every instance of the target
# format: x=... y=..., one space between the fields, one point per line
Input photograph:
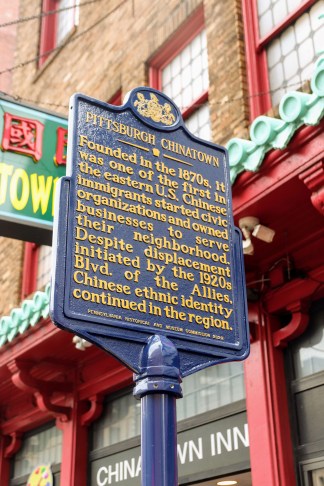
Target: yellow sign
x=41 y=476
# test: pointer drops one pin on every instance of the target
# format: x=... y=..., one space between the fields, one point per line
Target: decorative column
x=262 y=389
x=74 y=448
x=271 y=448
x=76 y=440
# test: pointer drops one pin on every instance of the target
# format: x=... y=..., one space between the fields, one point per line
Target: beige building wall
x=111 y=51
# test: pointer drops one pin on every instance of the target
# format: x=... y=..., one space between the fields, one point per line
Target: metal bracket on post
x=158 y=387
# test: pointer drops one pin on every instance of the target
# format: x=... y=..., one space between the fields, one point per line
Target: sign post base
x=158 y=387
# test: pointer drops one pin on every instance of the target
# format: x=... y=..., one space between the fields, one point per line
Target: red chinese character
x=61 y=143
x=23 y=136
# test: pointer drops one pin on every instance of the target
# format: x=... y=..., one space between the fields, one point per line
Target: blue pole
x=158 y=387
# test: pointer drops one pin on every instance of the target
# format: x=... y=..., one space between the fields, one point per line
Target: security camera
x=250 y=225
x=263 y=233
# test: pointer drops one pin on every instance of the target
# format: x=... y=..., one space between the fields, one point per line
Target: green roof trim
x=26 y=316
x=266 y=133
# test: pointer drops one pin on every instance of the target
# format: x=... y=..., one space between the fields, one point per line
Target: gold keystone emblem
x=151 y=108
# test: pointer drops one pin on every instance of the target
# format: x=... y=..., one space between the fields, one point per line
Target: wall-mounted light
x=226 y=483
x=251 y=226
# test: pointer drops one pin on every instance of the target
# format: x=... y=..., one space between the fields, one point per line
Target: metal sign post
x=158 y=387
x=148 y=263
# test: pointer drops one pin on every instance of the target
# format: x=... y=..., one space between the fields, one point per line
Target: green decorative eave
x=266 y=133
x=20 y=319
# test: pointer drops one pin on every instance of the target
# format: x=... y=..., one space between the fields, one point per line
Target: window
x=208 y=389
x=313 y=472
x=59 y=20
x=283 y=39
x=305 y=367
x=120 y=421
x=37 y=268
x=44 y=266
x=308 y=350
x=40 y=447
x=180 y=70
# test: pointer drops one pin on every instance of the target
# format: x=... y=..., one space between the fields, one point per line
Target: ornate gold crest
x=151 y=108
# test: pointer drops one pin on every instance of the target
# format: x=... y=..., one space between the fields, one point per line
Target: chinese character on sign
x=61 y=143
x=23 y=136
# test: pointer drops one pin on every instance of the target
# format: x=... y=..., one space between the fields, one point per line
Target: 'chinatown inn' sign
x=32 y=159
x=212 y=449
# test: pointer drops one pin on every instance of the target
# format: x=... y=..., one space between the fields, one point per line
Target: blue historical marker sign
x=144 y=238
